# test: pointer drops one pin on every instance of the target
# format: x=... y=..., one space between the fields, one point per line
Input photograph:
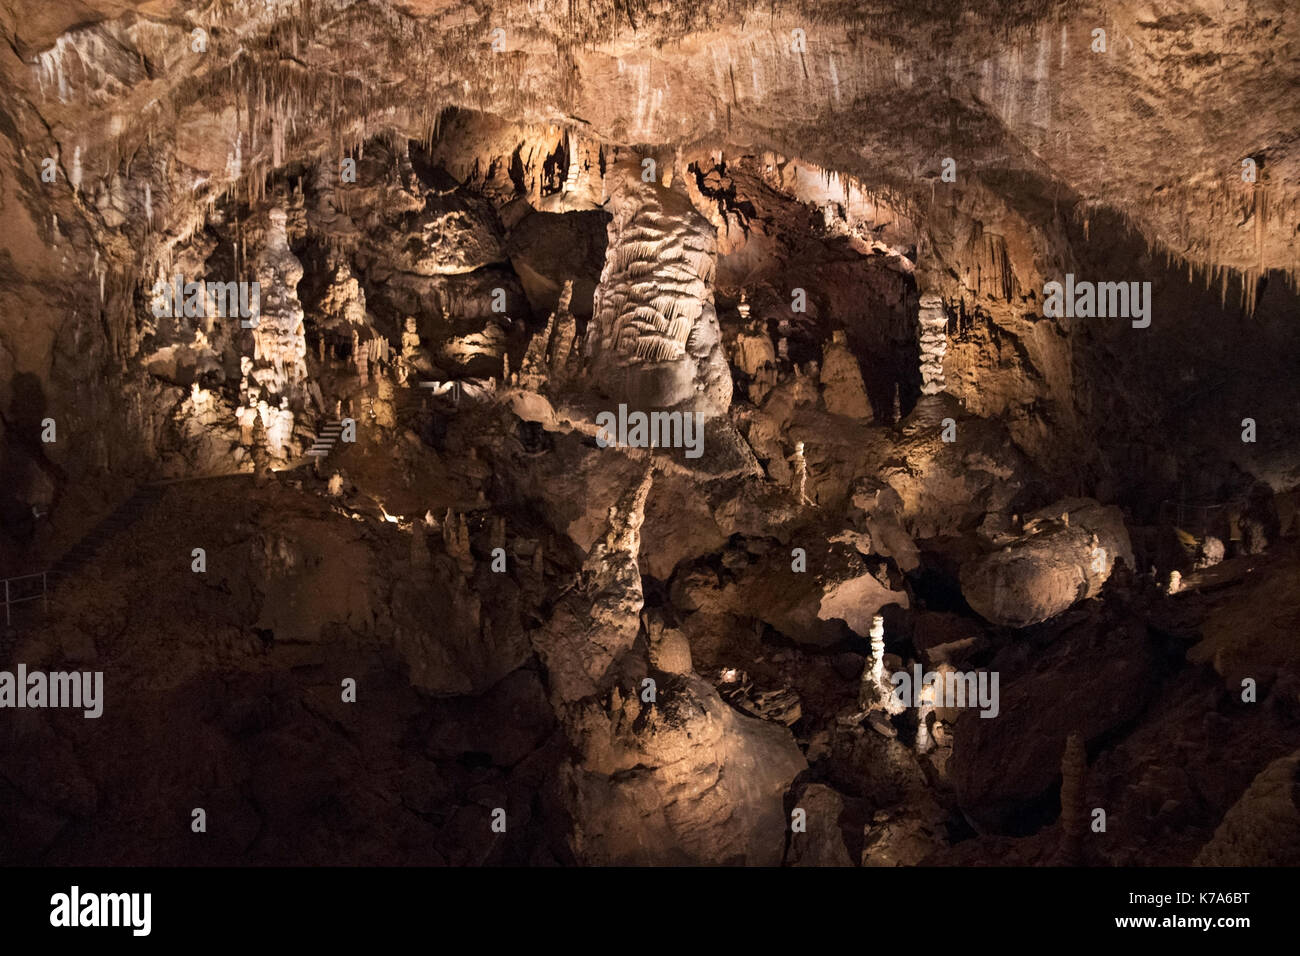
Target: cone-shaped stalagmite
x=1074 y=780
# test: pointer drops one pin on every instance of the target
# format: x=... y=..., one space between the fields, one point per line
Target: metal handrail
x=44 y=596
x=1199 y=516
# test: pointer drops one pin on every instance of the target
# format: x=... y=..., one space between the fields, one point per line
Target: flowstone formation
x=654 y=340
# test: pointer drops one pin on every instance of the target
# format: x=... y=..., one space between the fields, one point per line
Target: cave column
x=933 y=329
x=279 y=363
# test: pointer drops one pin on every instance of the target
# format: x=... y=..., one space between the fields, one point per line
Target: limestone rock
x=1263 y=827
x=670 y=651
x=904 y=836
x=453 y=234
x=1093 y=679
x=683 y=782
x=1065 y=555
x=280 y=341
x=822 y=844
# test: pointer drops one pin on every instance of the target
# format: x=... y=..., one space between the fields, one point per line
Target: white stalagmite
x=925 y=708
x=875 y=693
x=877 y=634
x=279 y=428
x=280 y=339
x=934 y=343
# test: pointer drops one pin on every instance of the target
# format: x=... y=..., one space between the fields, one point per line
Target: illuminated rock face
x=654 y=340
x=686 y=781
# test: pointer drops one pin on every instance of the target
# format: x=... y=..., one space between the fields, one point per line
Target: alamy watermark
x=1098 y=300
x=652 y=430
x=947 y=689
x=77 y=909
x=83 y=690
x=193 y=300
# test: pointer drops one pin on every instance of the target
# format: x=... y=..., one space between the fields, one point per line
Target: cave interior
x=624 y=432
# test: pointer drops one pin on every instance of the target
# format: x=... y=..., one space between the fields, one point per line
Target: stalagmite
x=654 y=340
x=532 y=370
x=841 y=379
x=261 y=456
x=800 y=468
x=875 y=694
x=564 y=338
x=933 y=328
x=1074 y=769
x=385 y=407
x=420 y=558
x=414 y=361
x=280 y=343
x=279 y=430
x=754 y=354
x=877 y=634
x=925 y=708
x=361 y=358
x=344 y=302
